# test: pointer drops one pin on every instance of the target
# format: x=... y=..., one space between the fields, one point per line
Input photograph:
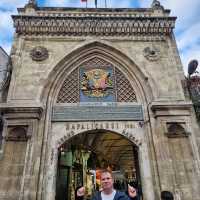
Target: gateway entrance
x=93 y=102
x=81 y=158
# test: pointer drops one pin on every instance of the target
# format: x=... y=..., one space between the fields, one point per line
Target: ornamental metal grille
x=122 y=90
x=69 y=92
x=125 y=92
x=96 y=63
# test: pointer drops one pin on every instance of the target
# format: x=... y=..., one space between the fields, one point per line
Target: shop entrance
x=81 y=158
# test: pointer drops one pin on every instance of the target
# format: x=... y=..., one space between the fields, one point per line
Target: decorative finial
x=156 y=4
x=31 y=4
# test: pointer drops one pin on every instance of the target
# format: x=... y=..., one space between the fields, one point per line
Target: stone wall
x=144 y=49
x=4 y=73
x=30 y=77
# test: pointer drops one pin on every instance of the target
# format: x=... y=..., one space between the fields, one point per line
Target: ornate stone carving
x=82 y=25
x=156 y=5
x=151 y=53
x=31 y=3
x=18 y=133
x=39 y=53
x=176 y=129
x=121 y=90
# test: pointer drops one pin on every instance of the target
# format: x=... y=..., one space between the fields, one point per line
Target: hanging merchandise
x=66 y=158
x=85 y=156
x=89 y=184
x=77 y=157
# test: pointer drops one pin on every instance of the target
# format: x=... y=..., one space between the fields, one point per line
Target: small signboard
x=97 y=113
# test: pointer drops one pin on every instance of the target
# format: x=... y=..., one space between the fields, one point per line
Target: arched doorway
x=81 y=158
x=96 y=87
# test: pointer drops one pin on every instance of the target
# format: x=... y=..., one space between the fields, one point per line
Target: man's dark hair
x=167 y=195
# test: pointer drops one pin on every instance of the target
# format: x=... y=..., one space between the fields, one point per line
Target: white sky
x=187 y=29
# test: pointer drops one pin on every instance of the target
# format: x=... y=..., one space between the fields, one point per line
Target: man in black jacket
x=107 y=191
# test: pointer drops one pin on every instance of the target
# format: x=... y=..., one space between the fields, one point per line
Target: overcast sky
x=187 y=29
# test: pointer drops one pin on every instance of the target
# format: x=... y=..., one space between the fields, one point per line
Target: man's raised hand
x=81 y=192
x=132 y=191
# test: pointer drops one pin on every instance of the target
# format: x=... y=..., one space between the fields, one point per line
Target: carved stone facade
x=39 y=53
x=4 y=73
x=100 y=25
x=86 y=72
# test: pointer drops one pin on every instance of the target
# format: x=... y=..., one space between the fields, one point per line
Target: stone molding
x=18 y=111
x=19 y=121
x=18 y=130
x=128 y=129
x=93 y=25
x=162 y=109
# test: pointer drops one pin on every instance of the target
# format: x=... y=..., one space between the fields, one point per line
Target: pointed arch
x=137 y=76
x=62 y=132
x=110 y=85
x=138 y=79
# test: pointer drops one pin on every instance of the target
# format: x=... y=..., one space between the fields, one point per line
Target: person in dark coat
x=108 y=192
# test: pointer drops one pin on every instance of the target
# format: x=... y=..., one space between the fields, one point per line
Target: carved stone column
x=174 y=142
x=18 y=165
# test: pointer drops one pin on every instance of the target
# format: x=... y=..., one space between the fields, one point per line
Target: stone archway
x=83 y=156
x=130 y=130
x=59 y=113
x=103 y=49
